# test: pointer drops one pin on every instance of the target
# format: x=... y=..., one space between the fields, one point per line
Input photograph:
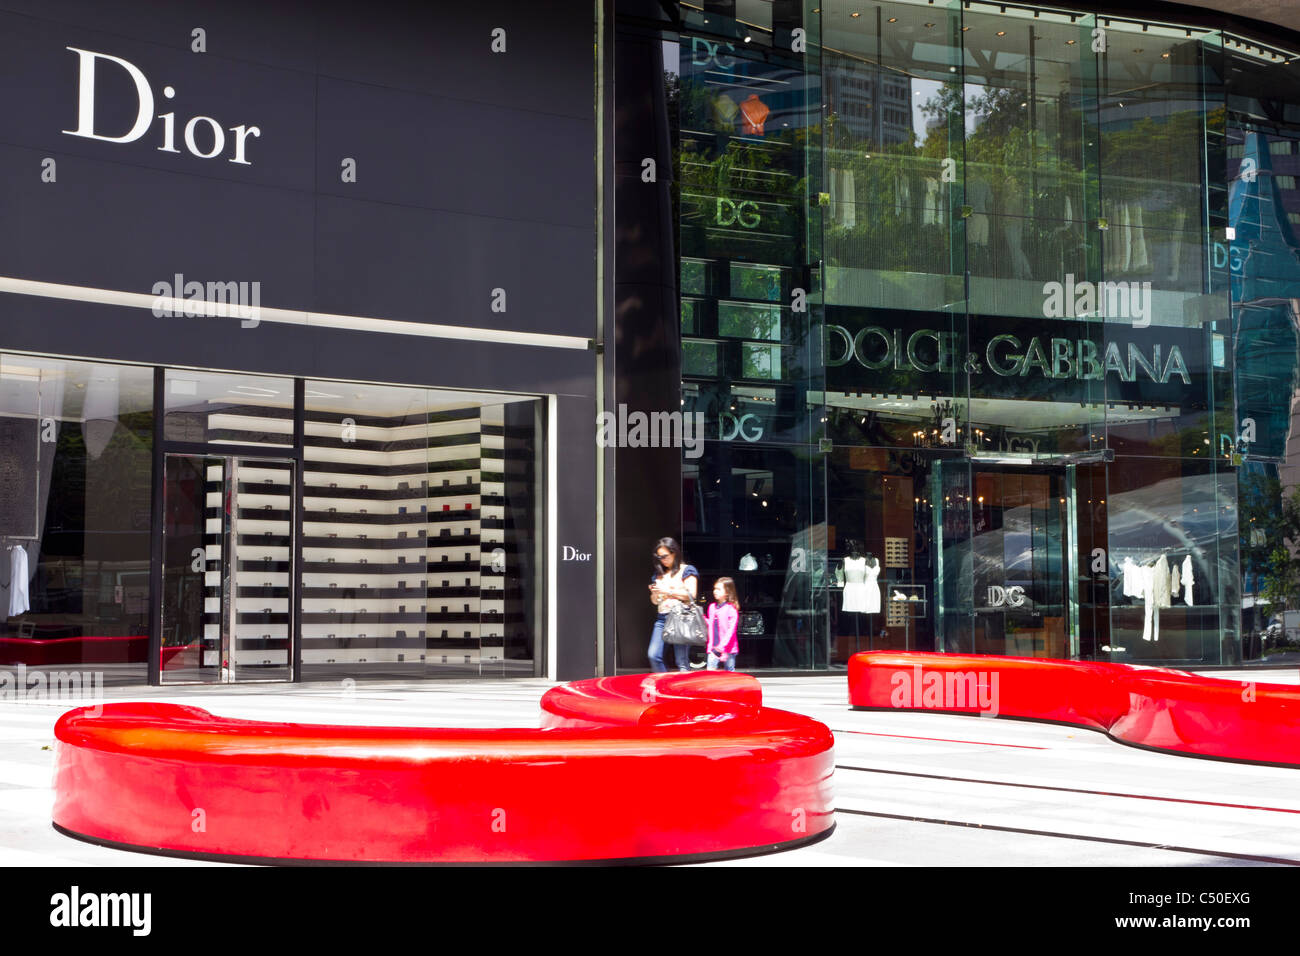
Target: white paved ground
x=911 y=789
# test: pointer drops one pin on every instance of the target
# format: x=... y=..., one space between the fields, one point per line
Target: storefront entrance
x=1020 y=543
x=1007 y=543
x=227 y=569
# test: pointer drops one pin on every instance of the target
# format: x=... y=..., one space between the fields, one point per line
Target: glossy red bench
x=642 y=768
x=1150 y=707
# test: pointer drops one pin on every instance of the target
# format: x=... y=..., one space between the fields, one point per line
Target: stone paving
x=911 y=789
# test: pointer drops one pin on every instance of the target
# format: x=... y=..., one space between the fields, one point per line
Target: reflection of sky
x=1175 y=516
x=923 y=92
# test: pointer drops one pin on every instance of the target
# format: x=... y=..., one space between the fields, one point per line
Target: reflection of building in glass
x=1037 y=313
x=873 y=106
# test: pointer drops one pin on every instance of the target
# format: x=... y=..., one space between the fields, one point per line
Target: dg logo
x=731 y=427
x=1013 y=596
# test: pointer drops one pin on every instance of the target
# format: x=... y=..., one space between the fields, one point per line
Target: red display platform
x=1148 y=707
x=640 y=768
x=47 y=652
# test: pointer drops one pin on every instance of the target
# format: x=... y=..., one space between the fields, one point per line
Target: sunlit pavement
x=911 y=789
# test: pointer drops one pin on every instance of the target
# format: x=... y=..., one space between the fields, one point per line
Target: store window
x=76 y=442
x=421 y=528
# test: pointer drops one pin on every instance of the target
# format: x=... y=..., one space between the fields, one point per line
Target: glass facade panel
x=1050 y=259
x=76 y=459
x=420 y=532
x=222 y=409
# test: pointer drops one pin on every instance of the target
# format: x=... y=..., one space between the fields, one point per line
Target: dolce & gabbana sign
x=874 y=348
x=893 y=351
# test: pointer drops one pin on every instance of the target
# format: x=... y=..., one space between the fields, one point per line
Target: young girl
x=722 y=619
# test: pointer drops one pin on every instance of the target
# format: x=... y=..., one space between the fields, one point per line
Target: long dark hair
x=674 y=549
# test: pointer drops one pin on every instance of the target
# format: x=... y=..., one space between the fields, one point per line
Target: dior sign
x=203 y=136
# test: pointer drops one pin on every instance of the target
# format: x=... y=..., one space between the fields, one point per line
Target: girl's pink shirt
x=727 y=617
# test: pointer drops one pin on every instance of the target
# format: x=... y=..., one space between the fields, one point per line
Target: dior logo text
x=202 y=136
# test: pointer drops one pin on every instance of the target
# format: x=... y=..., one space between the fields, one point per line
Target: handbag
x=684 y=624
x=751 y=623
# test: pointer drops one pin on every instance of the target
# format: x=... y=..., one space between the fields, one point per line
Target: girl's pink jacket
x=728 y=618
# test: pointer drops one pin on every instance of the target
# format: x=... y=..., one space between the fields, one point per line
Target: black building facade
x=298 y=315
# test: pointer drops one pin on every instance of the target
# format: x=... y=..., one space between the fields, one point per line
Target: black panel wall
x=426 y=163
x=647 y=342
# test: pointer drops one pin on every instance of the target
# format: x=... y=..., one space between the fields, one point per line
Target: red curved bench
x=1149 y=707
x=641 y=768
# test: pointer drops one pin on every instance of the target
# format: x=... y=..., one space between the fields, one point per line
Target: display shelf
x=405 y=541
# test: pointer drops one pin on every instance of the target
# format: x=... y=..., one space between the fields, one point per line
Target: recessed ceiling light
x=1164 y=56
x=855 y=15
x=929 y=25
x=1069 y=42
x=893 y=19
x=964 y=29
x=1002 y=33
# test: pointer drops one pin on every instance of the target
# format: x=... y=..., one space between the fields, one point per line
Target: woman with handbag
x=673 y=585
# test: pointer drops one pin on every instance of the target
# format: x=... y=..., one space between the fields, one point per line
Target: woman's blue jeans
x=681 y=652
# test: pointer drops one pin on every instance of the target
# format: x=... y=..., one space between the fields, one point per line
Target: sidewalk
x=911 y=789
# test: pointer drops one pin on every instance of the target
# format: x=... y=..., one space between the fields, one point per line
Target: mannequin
x=861 y=592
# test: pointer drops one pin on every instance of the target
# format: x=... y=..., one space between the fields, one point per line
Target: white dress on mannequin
x=861 y=592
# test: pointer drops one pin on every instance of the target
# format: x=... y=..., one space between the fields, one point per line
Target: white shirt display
x=861 y=592
x=18 y=599
x=1157 y=585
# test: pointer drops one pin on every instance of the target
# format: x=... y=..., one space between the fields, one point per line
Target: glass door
x=1019 y=541
x=228 y=553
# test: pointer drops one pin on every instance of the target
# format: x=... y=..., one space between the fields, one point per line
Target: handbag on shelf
x=751 y=623
x=684 y=624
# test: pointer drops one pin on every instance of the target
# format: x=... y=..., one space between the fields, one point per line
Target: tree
x=1280 y=580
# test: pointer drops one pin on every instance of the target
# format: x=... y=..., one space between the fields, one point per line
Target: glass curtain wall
x=743 y=87
x=76 y=460
x=420 y=533
x=420 y=514
x=1260 y=256
x=1036 y=246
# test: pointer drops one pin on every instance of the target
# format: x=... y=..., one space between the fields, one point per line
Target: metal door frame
x=230 y=455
